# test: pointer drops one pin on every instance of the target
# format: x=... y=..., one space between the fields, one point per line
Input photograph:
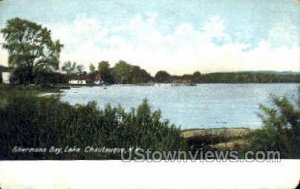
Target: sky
x=174 y=35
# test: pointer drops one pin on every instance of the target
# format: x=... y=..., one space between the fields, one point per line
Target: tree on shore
x=105 y=71
x=122 y=72
x=196 y=77
x=92 y=68
x=31 y=50
x=80 y=69
x=162 y=77
x=80 y=72
x=92 y=72
x=69 y=68
x=139 y=75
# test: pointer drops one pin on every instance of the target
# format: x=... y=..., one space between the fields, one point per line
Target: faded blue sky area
x=175 y=35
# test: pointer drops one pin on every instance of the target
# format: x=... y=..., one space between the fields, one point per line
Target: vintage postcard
x=149 y=81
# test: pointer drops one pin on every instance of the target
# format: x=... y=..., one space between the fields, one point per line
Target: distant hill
x=244 y=77
x=258 y=72
x=250 y=77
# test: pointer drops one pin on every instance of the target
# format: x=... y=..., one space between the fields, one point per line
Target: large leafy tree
x=103 y=67
x=139 y=75
x=69 y=68
x=105 y=71
x=31 y=49
x=92 y=75
x=162 y=77
x=122 y=72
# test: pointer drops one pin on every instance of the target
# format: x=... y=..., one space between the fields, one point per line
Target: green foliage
x=80 y=69
x=92 y=68
x=30 y=49
x=47 y=79
x=122 y=72
x=103 y=66
x=93 y=73
x=196 y=77
x=30 y=121
x=281 y=129
x=125 y=73
x=105 y=71
x=139 y=75
x=162 y=77
x=69 y=68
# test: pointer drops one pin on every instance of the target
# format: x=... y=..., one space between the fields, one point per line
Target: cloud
x=208 y=48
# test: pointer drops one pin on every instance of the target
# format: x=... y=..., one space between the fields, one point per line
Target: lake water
x=201 y=106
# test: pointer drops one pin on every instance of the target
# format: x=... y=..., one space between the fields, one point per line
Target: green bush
x=280 y=131
x=30 y=121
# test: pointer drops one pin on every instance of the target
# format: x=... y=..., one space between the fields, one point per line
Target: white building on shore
x=77 y=82
x=5 y=77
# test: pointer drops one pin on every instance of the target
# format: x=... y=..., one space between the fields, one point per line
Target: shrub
x=281 y=129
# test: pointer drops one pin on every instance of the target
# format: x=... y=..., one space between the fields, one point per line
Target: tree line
x=125 y=73
x=121 y=73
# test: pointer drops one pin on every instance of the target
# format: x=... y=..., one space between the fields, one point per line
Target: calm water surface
x=201 y=106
